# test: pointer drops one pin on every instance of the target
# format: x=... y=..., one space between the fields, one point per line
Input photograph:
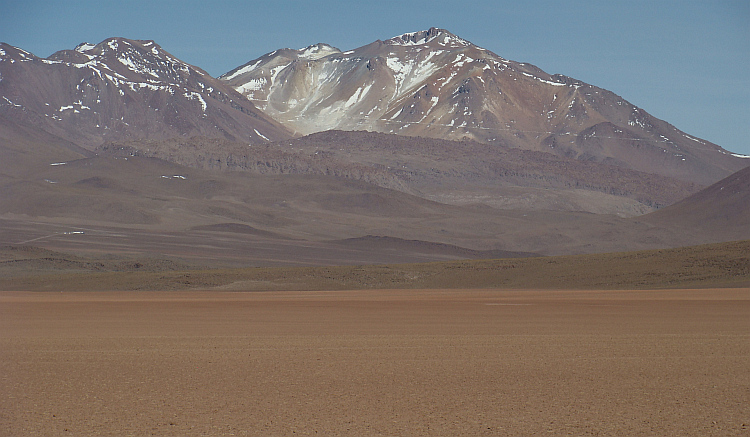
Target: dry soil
x=378 y=362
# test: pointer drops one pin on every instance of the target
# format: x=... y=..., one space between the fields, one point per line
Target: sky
x=684 y=61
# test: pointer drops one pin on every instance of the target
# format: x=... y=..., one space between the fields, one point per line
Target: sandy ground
x=424 y=362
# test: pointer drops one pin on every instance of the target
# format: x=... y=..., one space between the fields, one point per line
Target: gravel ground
x=383 y=362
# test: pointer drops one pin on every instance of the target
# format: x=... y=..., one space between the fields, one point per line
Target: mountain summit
x=123 y=89
x=443 y=37
x=433 y=83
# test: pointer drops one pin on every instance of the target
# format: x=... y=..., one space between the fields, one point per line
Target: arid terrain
x=383 y=362
x=544 y=258
x=514 y=346
x=725 y=265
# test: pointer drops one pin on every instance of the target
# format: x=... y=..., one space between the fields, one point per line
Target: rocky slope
x=452 y=172
x=297 y=198
x=433 y=83
x=123 y=89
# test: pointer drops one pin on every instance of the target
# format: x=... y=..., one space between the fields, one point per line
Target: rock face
x=435 y=84
x=123 y=89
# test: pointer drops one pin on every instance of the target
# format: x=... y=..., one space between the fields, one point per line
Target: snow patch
x=275 y=72
x=693 y=138
x=737 y=155
x=10 y=102
x=252 y=85
x=246 y=69
x=409 y=73
x=542 y=80
x=261 y=135
x=316 y=51
x=423 y=37
x=79 y=103
x=462 y=60
x=434 y=101
x=136 y=67
x=412 y=39
x=84 y=47
x=193 y=95
x=357 y=96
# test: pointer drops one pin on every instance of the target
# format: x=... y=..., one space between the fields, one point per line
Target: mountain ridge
x=432 y=83
x=81 y=129
x=120 y=89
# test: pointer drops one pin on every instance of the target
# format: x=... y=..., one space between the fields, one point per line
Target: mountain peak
x=119 y=44
x=84 y=47
x=124 y=89
x=436 y=84
x=441 y=36
x=317 y=51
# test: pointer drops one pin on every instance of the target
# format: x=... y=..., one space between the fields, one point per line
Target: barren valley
x=385 y=362
x=543 y=258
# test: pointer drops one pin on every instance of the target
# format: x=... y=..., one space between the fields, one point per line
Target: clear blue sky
x=684 y=61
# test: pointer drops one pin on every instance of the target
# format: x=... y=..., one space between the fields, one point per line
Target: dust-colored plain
x=376 y=362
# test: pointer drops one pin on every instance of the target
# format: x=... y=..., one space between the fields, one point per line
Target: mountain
x=435 y=84
x=146 y=207
x=123 y=89
x=720 y=211
x=120 y=148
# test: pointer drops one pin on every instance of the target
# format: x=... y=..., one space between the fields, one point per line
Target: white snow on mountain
x=246 y=69
x=317 y=51
x=84 y=47
x=441 y=36
x=311 y=96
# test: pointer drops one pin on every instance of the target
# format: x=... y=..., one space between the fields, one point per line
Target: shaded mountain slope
x=721 y=211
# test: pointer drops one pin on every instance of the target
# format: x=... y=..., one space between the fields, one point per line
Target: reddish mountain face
x=124 y=89
x=435 y=84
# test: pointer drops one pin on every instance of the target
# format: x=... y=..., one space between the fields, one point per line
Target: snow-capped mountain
x=435 y=84
x=124 y=89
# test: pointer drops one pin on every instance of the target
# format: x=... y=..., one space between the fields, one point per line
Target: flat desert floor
x=384 y=362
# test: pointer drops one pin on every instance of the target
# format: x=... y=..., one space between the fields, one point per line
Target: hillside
x=92 y=163
x=435 y=84
x=721 y=210
x=123 y=89
x=451 y=172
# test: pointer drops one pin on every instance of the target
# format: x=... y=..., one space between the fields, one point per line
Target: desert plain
x=548 y=259
x=376 y=362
